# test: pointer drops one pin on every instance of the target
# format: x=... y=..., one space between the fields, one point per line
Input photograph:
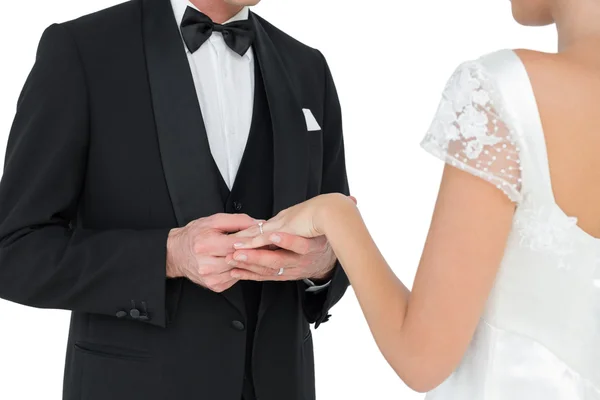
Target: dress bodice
x=539 y=337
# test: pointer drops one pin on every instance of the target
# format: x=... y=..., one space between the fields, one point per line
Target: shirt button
x=238 y=325
x=237 y=206
x=121 y=314
x=135 y=313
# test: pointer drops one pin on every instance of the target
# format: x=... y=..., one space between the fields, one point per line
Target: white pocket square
x=311 y=122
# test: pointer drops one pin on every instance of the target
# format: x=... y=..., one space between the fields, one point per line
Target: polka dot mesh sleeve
x=471 y=131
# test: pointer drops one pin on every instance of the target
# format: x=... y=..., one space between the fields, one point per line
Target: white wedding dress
x=539 y=337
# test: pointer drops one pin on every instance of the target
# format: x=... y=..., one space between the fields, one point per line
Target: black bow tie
x=197 y=27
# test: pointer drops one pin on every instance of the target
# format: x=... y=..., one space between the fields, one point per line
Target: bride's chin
x=242 y=2
x=532 y=12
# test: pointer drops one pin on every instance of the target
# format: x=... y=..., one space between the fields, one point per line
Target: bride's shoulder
x=481 y=74
x=551 y=73
x=535 y=57
x=485 y=67
x=505 y=60
x=537 y=64
x=506 y=66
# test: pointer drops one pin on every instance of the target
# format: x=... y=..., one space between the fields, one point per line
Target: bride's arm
x=424 y=334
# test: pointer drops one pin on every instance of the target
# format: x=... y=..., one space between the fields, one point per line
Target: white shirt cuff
x=314 y=288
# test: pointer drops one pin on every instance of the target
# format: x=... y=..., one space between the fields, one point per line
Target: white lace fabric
x=472 y=131
x=539 y=336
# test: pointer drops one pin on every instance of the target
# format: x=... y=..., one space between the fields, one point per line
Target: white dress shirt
x=224 y=83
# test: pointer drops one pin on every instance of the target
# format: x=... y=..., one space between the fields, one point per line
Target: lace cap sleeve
x=472 y=131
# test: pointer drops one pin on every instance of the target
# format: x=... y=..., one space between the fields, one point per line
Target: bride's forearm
x=382 y=297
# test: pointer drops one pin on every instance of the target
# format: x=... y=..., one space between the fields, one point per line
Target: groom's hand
x=198 y=250
x=299 y=257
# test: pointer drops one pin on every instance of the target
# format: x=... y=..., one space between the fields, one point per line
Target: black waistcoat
x=252 y=194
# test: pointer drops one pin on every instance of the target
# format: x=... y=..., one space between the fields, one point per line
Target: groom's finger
x=230 y=222
x=273 y=259
x=289 y=274
x=245 y=275
x=257 y=269
x=295 y=244
x=254 y=242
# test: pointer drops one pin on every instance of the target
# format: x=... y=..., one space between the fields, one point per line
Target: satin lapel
x=190 y=171
x=290 y=142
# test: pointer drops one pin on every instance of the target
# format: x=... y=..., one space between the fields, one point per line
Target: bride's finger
x=260 y=228
x=247 y=233
x=254 y=242
x=253 y=231
x=295 y=244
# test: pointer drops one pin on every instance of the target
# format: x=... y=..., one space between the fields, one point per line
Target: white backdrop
x=390 y=60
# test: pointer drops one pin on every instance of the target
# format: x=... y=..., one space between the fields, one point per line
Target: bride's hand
x=305 y=219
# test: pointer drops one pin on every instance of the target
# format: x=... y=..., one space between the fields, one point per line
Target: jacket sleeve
x=46 y=261
x=318 y=304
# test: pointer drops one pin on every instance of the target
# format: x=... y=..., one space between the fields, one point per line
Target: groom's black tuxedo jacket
x=107 y=153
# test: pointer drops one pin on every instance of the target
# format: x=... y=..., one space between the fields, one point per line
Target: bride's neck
x=577 y=24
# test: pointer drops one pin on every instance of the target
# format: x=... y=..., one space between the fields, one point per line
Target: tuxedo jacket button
x=135 y=313
x=237 y=206
x=238 y=325
x=121 y=314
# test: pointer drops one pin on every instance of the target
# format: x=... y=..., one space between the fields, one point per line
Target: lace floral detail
x=546 y=229
x=472 y=131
